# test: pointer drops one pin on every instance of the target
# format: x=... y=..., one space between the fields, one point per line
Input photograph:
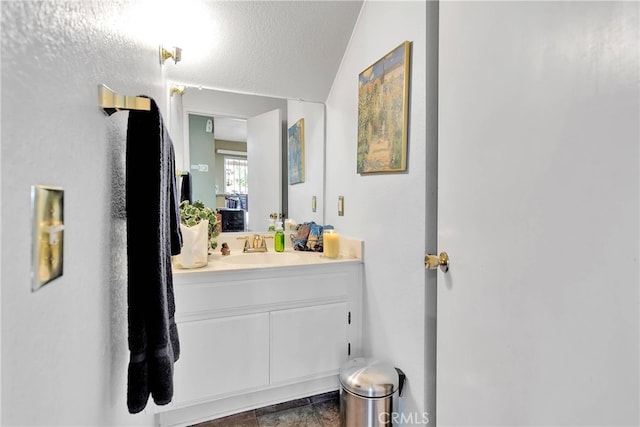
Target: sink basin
x=263 y=258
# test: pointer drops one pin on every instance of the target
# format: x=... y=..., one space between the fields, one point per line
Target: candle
x=331 y=242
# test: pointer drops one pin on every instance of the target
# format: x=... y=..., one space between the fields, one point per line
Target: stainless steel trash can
x=369 y=393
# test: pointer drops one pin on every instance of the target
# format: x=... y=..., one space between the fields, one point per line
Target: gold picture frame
x=295 y=152
x=383 y=105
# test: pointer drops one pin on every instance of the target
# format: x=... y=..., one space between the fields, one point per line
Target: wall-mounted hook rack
x=110 y=101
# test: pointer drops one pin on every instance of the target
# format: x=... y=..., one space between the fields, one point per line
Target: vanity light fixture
x=175 y=53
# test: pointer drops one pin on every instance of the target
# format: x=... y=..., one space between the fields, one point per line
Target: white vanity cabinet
x=261 y=336
x=308 y=341
x=221 y=356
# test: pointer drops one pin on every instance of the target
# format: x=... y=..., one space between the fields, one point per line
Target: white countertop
x=350 y=252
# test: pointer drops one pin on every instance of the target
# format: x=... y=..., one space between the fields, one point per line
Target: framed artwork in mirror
x=295 y=149
x=383 y=104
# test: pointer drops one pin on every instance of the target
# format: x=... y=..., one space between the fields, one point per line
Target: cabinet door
x=221 y=356
x=308 y=342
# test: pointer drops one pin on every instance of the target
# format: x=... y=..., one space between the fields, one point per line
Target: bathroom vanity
x=259 y=329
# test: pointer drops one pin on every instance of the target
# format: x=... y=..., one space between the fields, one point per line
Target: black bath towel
x=185 y=188
x=153 y=235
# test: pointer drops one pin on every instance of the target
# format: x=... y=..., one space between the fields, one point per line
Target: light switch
x=313 y=204
x=340 y=205
x=47 y=213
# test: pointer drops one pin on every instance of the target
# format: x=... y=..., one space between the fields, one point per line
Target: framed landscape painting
x=296 y=152
x=383 y=104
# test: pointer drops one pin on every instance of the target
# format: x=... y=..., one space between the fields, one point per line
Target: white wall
x=64 y=347
x=379 y=208
x=300 y=207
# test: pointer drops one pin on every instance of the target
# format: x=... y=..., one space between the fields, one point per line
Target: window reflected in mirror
x=235 y=175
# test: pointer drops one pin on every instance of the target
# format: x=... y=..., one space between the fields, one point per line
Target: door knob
x=433 y=261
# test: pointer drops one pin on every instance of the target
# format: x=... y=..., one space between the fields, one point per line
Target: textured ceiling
x=230 y=129
x=285 y=49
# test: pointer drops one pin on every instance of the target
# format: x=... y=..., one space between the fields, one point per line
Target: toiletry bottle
x=272 y=226
x=279 y=237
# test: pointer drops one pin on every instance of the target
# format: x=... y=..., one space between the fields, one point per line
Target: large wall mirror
x=234 y=147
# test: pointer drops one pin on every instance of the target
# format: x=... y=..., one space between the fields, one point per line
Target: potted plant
x=193 y=214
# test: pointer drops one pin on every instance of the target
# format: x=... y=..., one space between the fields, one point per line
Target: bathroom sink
x=263 y=258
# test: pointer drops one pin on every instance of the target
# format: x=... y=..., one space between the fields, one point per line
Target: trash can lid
x=369 y=378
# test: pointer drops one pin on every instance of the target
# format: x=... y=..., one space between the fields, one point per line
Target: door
x=264 y=148
x=537 y=318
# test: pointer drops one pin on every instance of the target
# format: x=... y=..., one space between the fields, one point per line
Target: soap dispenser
x=279 y=237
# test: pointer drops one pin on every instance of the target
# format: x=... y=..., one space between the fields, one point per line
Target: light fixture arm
x=177 y=89
x=175 y=53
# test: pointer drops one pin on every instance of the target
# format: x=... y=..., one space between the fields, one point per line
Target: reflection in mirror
x=189 y=115
x=267 y=190
x=219 y=151
x=232 y=172
x=218 y=161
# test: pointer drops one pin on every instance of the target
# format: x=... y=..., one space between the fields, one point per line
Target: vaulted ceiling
x=285 y=49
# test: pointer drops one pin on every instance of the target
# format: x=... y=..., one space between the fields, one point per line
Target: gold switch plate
x=47 y=213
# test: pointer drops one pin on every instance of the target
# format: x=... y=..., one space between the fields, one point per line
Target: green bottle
x=279 y=238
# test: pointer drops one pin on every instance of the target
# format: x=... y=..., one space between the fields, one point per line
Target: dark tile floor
x=321 y=410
